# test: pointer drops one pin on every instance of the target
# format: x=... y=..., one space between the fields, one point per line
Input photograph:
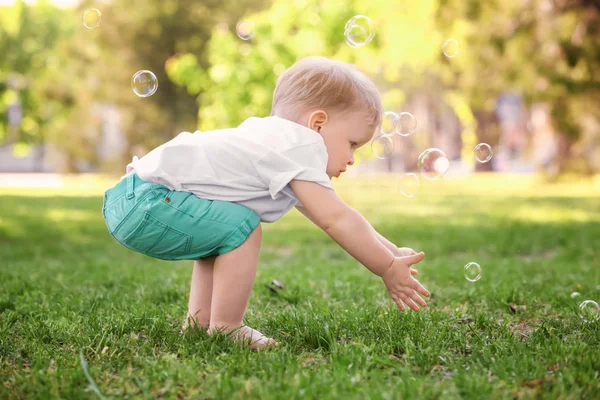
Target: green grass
x=67 y=288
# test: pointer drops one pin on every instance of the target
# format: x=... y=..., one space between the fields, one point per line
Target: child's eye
x=354 y=143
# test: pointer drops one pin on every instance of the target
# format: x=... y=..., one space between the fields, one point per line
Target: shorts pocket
x=157 y=239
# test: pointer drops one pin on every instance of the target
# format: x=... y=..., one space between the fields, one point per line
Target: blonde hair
x=320 y=83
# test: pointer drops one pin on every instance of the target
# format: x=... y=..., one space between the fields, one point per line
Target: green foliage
x=29 y=39
x=241 y=78
x=544 y=52
x=144 y=34
x=61 y=73
x=72 y=72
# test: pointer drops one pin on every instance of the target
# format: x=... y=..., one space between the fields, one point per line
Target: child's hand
x=405 y=251
x=403 y=288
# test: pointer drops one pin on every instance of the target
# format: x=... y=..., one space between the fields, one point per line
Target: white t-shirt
x=251 y=165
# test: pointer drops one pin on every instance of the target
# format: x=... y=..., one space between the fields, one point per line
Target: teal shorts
x=172 y=225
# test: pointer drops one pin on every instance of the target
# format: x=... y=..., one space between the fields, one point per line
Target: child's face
x=343 y=133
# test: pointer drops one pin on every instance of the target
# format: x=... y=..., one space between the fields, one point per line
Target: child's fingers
x=415 y=258
x=414 y=271
x=400 y=305
x=398 y=302
x=409 y=302
x=420 y=288
x=418 y=300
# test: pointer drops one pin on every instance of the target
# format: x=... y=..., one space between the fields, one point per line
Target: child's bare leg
x=200 y=293
x=233 y=278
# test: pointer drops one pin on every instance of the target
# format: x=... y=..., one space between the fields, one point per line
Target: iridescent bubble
x=359 y=31
x=410 y=185
x=355 y=36
x=589 y=311
x=92 y=18
x=245 y=29
x=406 y=124
x=389 y=122
x=144 y=83
x=450 y=48
x=575 y=294
x=433 y=164
x=349 y=24
x=382 y=146
x=472 y=272
x=483 y=152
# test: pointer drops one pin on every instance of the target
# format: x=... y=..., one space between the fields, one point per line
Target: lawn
x=76 y=307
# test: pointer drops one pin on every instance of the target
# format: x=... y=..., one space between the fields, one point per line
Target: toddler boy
x=202 y=196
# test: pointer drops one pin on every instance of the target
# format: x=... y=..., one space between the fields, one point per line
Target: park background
x=83 y=317
x=526 y=79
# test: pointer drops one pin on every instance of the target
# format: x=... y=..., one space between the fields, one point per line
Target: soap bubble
x=356 y=36
x=450 y=48
x=245 y=29
x=410 y=185
x=92 y=18
x=575 y=294
x=483 y=152
x=144 y=83
x=589 y=311
x=406 y=124
x=382 y=146
x=359 y=31
x=389 y=122
x=350 y=23
x=472 y=272
x=433 y=164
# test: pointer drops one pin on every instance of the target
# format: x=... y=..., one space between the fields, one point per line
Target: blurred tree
x=543 y=51
x=63 y=74
x=145 y=34
x=548 y=51
x=242 y=75
x=29 y=37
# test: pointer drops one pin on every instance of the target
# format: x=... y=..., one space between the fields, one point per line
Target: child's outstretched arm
x=344 y=225
x=356 y=235
x=389 y=245
x=396 y=251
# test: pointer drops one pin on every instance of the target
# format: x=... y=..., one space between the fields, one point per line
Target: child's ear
x=317 y=120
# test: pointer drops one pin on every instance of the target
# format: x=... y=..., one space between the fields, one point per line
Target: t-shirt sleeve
x=307 y=162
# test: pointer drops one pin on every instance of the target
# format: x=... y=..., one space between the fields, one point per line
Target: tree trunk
x=564 y=153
